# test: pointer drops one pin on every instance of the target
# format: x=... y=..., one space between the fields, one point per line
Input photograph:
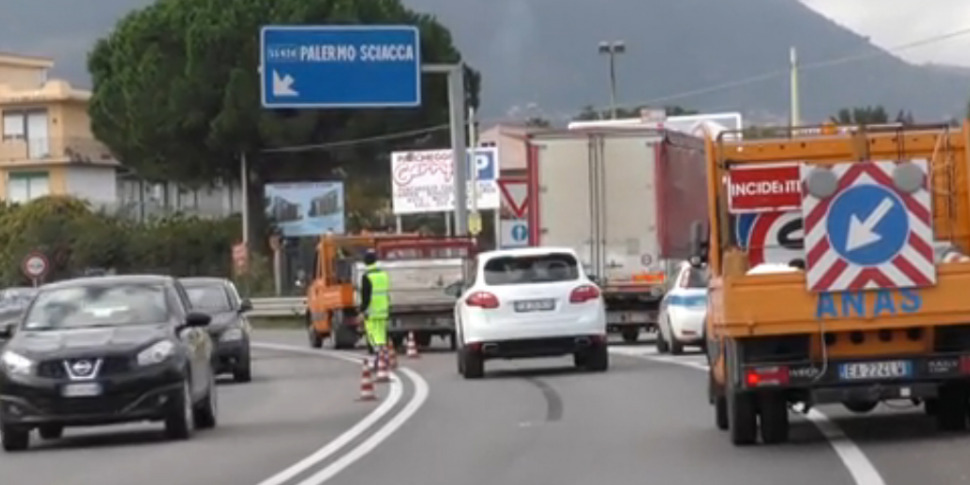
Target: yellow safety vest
x=380 y=301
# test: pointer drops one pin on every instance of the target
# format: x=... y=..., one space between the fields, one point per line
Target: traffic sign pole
x=456 y=102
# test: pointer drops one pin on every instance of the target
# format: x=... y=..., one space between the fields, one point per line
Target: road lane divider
x=862 y=470
x=387 y=405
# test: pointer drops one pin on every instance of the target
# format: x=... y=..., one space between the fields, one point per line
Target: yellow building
x=46 y=145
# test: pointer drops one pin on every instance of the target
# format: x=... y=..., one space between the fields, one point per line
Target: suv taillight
x=482 y=299
x=584 y=293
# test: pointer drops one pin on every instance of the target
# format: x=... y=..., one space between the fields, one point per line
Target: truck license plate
x=875 y=370
x=543 y=305
x=631 y=317
x=88 y=389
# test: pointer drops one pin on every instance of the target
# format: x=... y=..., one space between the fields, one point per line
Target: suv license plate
x=543 y=305
x=875 y=370
x=88 y=389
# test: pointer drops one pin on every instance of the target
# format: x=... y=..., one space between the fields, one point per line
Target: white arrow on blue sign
x=868 y=225
x=340 y=66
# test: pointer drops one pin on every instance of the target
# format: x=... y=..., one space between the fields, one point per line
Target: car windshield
x=208 y=297
x=98 y=306
x=696 y=278
x=541 y=268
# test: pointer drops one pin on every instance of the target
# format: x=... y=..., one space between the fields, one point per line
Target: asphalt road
x=528 y=422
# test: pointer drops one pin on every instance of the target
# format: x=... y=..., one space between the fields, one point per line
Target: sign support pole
x=456 y=103
x=244 y=187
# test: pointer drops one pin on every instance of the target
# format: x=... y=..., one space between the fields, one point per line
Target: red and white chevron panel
x=913 y=266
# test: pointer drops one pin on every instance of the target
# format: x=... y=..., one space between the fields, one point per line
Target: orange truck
x=838 y=274
x=419 y=268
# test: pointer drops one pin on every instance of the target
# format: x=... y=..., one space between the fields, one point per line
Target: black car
x=229 y=329
x=13 y=302
x=105 y=350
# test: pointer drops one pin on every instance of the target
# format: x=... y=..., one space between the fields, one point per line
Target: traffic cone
x=382 y=375
x=392 y=356
x=412 y=347
x=366 y=384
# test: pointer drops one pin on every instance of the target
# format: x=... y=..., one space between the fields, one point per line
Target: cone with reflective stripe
x=366 y=384
x=412 y=346
x=391 y=356
x=382 y=375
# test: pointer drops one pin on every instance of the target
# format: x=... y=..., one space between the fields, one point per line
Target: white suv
x=530 y=302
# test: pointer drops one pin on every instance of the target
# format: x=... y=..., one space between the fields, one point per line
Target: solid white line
x=378 y=437
x=362 y=426
x=855 y=461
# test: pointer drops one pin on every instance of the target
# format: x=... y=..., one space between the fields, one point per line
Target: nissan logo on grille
x=82 y=367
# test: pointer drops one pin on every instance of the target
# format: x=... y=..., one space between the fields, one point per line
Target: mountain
x=539 y=57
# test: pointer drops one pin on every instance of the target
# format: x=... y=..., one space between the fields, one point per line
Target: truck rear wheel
x=951 y=407
x=631 y=335
x=774 y=417
x=342 y=336
x=742 y=419
x=315 y=339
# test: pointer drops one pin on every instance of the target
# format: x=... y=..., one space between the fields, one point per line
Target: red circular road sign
x=35 y=265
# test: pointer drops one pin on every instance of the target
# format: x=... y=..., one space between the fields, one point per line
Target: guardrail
x=284 y=306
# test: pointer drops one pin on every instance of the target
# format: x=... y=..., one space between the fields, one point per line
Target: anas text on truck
x=871 y=308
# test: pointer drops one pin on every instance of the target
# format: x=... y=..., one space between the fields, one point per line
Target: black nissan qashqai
x=106 y=350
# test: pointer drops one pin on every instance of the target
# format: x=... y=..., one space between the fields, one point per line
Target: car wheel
x=453 y=342
x=951 y=407
x=51 y=431
x=342 y=336
x=662 y=347
x=721 y=413
x=676 y=348
x=773 y=408
x=314 y=337
x=244 y=370
x=742 y=419
x=179 y=419
x=14 y=438
x=205 y=414
x=580 y=359
x=461 y=363
x=473 y=363
x=598 y=358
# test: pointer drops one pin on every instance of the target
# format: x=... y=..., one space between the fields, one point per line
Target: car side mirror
x=245 y=306
x=197 y=319
x=455 y=289
x=699 y=243
x=6 y=331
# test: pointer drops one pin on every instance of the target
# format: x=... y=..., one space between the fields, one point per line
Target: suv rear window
x=542 y=268
x=696 y=278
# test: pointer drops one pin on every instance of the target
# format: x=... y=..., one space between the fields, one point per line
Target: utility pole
x=612 y=49
x=244 y=188
x=795 y=108
x=474 y=217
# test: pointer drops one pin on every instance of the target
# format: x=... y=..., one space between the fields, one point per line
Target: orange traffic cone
x=392 y=356
x=412 y=347
x=382 y=375
x=366 y=384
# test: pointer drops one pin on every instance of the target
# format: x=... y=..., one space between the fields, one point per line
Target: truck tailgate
x=418 y=283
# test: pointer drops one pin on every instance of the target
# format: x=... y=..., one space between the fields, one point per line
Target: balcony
x=64 y=149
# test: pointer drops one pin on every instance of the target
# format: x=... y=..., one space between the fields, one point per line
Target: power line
x=814 y=65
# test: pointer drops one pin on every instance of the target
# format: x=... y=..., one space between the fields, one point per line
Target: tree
x=176 y=92
x=866 y=115
x=538 y=122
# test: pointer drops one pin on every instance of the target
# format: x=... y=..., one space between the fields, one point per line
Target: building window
x=26 y=186
x=31 y=125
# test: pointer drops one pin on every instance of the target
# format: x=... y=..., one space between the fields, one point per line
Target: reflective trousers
x=376 y=329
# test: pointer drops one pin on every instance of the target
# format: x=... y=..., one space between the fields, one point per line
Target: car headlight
x=231 y=335
x=15 y=363
x=157 y=353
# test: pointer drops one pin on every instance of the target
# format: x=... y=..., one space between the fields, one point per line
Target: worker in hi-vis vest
x=375 y=303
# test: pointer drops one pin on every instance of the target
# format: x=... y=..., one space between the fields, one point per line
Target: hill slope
x=544 y=52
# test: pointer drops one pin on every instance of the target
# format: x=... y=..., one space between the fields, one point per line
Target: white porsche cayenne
x=529 y=302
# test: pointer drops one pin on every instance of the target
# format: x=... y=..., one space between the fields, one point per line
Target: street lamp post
x=612 y=49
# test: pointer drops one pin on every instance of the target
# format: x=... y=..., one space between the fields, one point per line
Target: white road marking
x=855 y=461
x=376 y=438
x=394 y=396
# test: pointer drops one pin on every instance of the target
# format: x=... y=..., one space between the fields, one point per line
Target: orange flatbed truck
x=419 y=268
x=879 y=310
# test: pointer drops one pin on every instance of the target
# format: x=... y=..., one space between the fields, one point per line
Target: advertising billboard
x=423 y=181
x=306 y=208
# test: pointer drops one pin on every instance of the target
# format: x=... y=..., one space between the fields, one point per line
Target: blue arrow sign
x=340 y=66
x=520 y=233
x=867 y=225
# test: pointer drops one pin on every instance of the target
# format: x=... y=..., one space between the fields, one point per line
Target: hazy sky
x=889 y=23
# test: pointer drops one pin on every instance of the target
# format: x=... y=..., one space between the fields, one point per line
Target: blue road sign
x=485 y=163
x=520 y=233
x=340 y=66
x=867 y=225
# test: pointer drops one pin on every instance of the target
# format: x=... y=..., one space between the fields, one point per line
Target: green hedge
x=76 y=238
